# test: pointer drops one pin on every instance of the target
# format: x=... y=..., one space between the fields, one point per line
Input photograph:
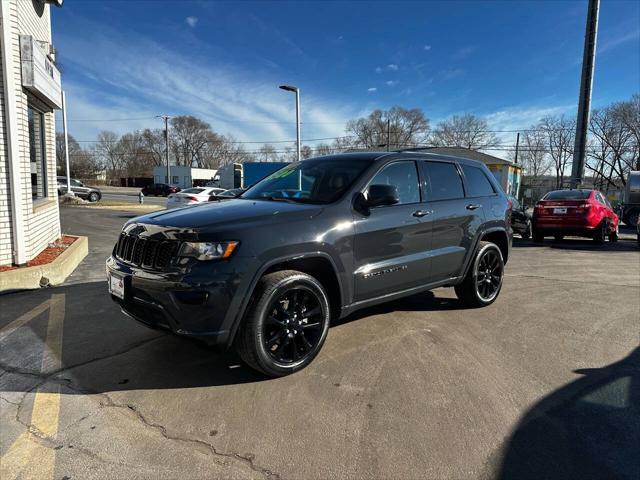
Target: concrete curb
x=56 y=272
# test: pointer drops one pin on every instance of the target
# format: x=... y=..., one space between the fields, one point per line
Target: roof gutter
x=11 y=114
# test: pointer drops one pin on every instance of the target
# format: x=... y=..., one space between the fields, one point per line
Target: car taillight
x=583 y=207
x=192 y=198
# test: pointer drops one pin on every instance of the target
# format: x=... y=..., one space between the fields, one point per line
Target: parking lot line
x=26 y=456
x=22 y=319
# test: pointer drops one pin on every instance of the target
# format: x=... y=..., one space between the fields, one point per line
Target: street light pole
x=166 y=144
x=69 y=192
x=296 y=90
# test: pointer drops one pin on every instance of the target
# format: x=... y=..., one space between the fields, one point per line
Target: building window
x=176 y=180
x=37 y=154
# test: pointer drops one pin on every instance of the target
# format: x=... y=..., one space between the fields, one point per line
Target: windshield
x=568 y=195
x=311 y=181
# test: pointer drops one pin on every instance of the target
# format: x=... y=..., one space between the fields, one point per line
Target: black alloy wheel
x=489 y=274
x=483 y=282
x=286 y=324
x=293 y=327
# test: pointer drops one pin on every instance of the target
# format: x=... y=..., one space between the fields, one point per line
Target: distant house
x=507 y=173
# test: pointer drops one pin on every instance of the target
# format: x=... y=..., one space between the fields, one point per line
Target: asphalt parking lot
x=544 y=383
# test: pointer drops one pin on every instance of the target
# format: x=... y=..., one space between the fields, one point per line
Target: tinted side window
x=477 y=182
x=404 y=176
x=445 y=182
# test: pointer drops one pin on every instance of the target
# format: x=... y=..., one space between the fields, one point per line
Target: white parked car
x=191 y=196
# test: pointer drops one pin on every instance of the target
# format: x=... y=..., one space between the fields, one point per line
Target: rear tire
x=600 y=234
x=285 y=325
x=483 y=282
x=613 y=236
x=538 y=237
x=558 y=238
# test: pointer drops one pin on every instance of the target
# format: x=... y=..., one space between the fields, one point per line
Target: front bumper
x=200 y=302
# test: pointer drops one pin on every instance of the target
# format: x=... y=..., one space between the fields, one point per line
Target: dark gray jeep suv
x=314 y=241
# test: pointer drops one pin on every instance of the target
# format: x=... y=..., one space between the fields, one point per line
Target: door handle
x=421 y=213
x=473 y=206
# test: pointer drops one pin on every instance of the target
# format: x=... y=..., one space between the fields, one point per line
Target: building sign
x=39 y=75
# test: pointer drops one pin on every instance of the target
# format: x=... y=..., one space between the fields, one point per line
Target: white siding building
x=184 y=177
x=29 y=93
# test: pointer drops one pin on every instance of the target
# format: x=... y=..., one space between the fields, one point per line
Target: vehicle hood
x=228 y=213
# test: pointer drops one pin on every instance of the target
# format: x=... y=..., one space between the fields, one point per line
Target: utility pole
x=166 y=144
x=586 y=86
x=517 y=146
x=388 y=134
x=69 y=192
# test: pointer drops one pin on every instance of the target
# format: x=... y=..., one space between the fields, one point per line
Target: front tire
x=483 y=282
x=94 y=197
x=286 y=323
x=527 y=231
x=613 y=236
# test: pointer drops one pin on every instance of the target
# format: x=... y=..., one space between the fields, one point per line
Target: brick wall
x=42 y=224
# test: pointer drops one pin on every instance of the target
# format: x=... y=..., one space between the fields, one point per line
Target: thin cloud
x=464 y=52
x=149 y=78
x=378 y=69
x=372 y=89
x=393 y=67
x=611 y=43
x=191 y=21
x=392 y=83
x=427 y=48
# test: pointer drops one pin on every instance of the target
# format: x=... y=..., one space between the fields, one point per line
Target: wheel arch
x=319 y=265
x=497 y=235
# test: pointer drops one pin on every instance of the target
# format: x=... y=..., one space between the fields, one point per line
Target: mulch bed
x=48 y=255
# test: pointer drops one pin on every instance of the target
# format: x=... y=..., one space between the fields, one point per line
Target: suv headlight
x=207 y=250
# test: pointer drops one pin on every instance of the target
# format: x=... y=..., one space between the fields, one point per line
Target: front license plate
x=559 y=210
x=116 y=286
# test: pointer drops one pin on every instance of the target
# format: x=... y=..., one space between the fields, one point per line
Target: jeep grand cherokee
x=314 y=241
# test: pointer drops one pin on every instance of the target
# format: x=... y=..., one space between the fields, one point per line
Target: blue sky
x=511 y=62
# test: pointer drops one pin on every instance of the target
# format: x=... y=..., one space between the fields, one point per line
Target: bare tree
x=403 y=127
x=323 y=149
x=154 y=143
x=466 y=131
x=189 y=137
x=614 y=147
x=306 y=152
x=107 y=150
x=534 y=158
x=137 y=160
x=559 y=134
x=267 y=153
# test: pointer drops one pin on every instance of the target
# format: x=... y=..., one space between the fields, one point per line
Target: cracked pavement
x=418 y=388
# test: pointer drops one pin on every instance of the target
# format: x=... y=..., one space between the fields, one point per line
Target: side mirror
x=380 y=195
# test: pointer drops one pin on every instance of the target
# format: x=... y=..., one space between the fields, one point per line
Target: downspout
x=7 y=45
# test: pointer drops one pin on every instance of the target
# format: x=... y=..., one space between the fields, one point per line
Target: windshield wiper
x=281 y=199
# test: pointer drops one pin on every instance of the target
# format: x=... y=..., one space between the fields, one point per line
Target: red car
x=580 y=213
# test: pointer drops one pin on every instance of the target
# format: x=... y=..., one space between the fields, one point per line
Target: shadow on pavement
x=421 y=302
x=588 y=429
x=103 y=350
x=583 y=244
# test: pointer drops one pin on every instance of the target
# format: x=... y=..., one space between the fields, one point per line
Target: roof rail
x=414 y=149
